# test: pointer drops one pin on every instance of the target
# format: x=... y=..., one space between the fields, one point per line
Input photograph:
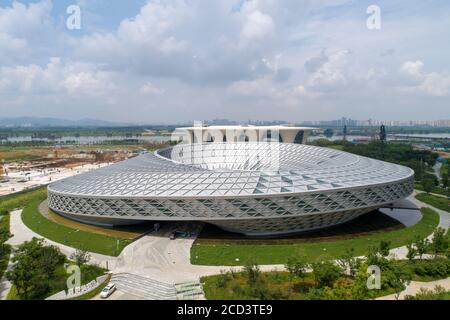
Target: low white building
x=244 y=133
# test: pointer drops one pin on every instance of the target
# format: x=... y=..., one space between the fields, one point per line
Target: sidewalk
x=414 y=287
x=22 y=233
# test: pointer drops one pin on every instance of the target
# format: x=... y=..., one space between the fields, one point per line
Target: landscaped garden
x=343 y=279
x=39 y=271
x=229 y=254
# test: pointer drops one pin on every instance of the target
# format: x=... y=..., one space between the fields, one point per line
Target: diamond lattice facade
x=253 y=188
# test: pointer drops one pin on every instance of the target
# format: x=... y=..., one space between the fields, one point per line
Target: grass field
x=24 y=153
x=75 y=238
x=437 y=190
x=20 y=199
x=29 y=153
x=240 y=254
x=368 y=224
x=437 y=202
x=124 y=232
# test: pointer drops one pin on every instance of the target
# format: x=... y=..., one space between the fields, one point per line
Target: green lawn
x=20 y=199
x=210 y=254
x=92 y=242
x=437 y=190
x=437 y=202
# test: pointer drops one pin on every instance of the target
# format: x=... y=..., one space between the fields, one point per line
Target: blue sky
x=180 y=60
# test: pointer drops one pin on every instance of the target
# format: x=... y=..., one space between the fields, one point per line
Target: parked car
x=108 y=290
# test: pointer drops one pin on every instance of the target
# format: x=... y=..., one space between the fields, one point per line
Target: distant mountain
x=56 y=122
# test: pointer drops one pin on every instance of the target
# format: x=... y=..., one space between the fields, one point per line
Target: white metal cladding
x=232 y=184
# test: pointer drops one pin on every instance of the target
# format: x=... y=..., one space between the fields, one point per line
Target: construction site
x=42 y=166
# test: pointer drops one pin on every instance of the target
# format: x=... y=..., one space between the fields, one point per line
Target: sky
x=170 y=61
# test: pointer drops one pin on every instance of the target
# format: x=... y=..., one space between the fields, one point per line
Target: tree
x=328 y=133
x=326 y=273
x=412 y=251
x=348 y=261
x=422 y=245
x=383 y=133
x=428 y=184
x=439 y=243
x=384 y=247
x=80 y=257
x=378 y=255
x=345 y=133
x=33 y=265
x=296 y=267
x=445 y=180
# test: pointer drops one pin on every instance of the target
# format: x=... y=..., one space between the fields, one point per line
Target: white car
x=108 y=290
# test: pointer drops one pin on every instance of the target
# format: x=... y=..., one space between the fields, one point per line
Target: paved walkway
x=22 y=233
x=414 y=287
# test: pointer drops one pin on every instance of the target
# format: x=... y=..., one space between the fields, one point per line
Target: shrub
x=439 y=293
x=222 y=279
x=326 y=273
x=253 y=273
x=438 y=268
x=296 y=268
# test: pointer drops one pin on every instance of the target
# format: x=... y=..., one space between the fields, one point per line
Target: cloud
x=257 y=27
x=150 y=89
x=328 y=70
x=21 y=27
x=413 y=68
x=73 y=79
x=295 y=59
x=192 y=42
x=433 y=84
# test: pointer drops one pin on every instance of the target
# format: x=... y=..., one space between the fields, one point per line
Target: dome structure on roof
x=255 y=188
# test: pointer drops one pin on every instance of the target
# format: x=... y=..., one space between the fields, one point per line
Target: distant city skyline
x=172 y=61
x=343 y=121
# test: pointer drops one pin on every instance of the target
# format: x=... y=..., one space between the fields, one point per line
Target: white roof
x=232 y=170
x=244 y=127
